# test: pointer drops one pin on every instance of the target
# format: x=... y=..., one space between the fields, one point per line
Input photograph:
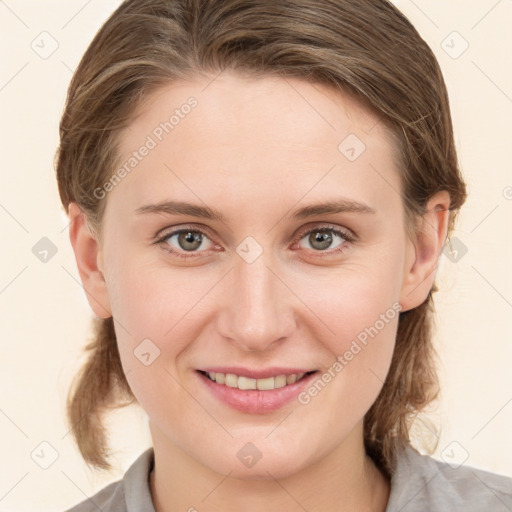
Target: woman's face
x=271 y=286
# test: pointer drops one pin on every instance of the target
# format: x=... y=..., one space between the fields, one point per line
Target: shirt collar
x=411 y=477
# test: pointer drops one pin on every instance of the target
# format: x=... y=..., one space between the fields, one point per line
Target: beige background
x=45 y=316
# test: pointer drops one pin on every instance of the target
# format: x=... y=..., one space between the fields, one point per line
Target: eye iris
x=189 y=237
x=321 y=237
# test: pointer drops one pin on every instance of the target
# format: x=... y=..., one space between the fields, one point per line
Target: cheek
x=352 y=300
x=160 y=311
x=364 y=325
x=364 y=320
x=150 y=297
x=360 y=306
x=153 y=329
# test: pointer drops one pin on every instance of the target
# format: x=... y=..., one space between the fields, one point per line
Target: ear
x=89 y=262
x=424 y=252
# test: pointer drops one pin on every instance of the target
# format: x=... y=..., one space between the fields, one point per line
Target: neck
x=345 y=480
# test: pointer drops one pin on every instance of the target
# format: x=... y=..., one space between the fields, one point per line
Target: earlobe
x=424 y=252
x=87 y=255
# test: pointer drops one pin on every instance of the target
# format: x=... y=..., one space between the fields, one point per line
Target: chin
x=265 y=471
x=249 y=463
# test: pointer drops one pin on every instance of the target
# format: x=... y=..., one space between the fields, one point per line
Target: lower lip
x=254 y=401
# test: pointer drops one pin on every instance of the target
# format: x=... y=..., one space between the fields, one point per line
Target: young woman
x=259 y=193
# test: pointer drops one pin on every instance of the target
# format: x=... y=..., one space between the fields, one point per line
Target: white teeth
x=280 y=381
x=246 y=383
x=291 y=379
x=234 y=381
x=231 y=380
x=265 y=384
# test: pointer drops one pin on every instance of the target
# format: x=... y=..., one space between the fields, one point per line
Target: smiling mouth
x=246 y=383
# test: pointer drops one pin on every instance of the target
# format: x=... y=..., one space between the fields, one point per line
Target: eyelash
x=349 y=239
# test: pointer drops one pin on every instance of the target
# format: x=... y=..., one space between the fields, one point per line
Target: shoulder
x=130 y=494
x=109 y=499
x=421 y=483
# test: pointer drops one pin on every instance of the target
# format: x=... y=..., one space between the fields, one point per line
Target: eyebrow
x=340 y=205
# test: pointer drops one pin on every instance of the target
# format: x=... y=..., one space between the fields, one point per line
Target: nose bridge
x=258 y=309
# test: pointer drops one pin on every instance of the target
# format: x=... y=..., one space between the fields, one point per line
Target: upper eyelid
x=327 y=227
x=168 y=232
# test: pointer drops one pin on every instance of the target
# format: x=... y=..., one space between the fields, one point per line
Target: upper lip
x=256 y=374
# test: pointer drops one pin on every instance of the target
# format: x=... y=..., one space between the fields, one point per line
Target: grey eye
x=321 y=239
x=187 y=240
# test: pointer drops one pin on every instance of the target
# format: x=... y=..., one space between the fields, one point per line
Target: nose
x=257 y=308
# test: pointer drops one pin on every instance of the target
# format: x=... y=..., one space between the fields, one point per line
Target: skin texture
x=256 y=150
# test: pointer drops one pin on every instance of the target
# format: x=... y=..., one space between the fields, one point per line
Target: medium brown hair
x=367 y=49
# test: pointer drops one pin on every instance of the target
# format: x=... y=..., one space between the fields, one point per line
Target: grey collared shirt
x=419 y=483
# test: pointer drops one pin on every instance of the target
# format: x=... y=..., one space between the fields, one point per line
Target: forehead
x=237 y=134
x=311 y=114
